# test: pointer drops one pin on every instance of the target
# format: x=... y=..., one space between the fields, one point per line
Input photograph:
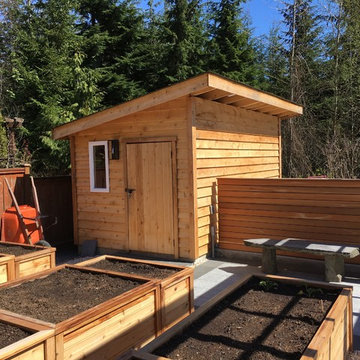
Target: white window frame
x=92 y=144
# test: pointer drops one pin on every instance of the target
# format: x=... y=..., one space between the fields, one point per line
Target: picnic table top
x=307 y=246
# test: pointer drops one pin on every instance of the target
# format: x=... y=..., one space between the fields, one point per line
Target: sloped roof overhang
x=206 y=86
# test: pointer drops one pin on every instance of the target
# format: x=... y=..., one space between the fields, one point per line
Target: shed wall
x=102 y=216
x=230 y=142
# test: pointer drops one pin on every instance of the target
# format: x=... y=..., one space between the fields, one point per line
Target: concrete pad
x=213 y=276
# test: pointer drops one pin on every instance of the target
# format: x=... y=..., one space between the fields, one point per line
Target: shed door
x=150 y=197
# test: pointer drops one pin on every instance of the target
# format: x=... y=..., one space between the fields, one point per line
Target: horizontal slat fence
x=313 y=209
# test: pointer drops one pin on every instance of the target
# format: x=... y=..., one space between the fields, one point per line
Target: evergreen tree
x=183 y=34
x=341 y=103
x=276 y=65
x=48 y=84
x=114 y=33
x=232 y=52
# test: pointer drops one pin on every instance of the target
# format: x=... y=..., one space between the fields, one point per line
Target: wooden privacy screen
x=314 y=209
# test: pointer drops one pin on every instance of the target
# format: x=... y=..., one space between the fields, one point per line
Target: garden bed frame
x=333 y=339
x=126 y=321
x=40 y=345
x=7 y=268
x=176 y=291
x=41 y=259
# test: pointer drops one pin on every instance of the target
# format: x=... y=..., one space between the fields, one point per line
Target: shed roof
x=206 y=86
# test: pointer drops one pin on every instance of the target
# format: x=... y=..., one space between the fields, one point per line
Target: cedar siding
x=103 y=216
x=230 y=142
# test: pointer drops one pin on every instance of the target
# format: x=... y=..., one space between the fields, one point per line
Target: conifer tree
x=183 y=34
x=114 y=33
x=48 y=84
x=276 y=65
x=232 y=52
x=341 y=103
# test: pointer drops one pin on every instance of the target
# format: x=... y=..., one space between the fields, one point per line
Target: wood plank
x=231 y=219
x=221 y=153
x=246 y=163
x=235 y=145
x=238 y=170
x=74 y=188
x=318 y=183
x=235 y=137
x=192 y=161
x=232 y=197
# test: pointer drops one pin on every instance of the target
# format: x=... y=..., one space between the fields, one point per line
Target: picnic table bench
x=334 y=254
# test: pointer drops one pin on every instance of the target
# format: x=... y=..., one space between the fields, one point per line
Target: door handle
x=129 y=191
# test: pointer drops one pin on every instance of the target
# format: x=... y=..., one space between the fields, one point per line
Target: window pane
x=99 y=167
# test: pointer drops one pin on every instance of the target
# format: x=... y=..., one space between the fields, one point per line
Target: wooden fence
x=17 y=178
x=314 y=209
x=55 y=201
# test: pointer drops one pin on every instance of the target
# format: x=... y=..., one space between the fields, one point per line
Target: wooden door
x=150 y=197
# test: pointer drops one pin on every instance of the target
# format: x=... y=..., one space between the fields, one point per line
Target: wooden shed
x=144 y=172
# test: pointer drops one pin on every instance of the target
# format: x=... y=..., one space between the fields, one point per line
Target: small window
x=99 y=166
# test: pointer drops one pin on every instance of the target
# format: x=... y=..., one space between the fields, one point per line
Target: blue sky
x=263 y=13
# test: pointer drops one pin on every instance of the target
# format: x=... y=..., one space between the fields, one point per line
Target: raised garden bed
x=268 y=321
x=176 y=283
x=23 y=340
x=7 y=268
x=94 y=314
x=29 y=259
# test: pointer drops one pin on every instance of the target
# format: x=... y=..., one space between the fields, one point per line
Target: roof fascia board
x=250 y=93
x=155 y=98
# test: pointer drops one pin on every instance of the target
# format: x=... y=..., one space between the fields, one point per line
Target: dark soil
x=255 y=322
x=63 y=294
x=16 y=249
x=146 y=270
x=10 y=334
x=354 y=356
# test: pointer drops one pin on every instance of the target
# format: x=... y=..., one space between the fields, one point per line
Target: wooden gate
x=150 y=191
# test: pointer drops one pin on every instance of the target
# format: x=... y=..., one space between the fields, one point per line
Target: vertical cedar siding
x=230 y=142
x=102 y=216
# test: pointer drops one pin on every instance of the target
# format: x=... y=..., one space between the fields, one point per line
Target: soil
x=16 y=249
x=10 y=334
x=146 y=270
x=354 y=356
x=257 y=322
x=63 y=294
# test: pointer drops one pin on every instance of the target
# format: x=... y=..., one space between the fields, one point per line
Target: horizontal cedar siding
x=314 y=209
x=230 y=142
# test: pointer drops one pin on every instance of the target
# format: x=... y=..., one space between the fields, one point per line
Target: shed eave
x=208 y=86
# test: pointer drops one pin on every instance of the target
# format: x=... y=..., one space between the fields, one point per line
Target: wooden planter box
x=126 y=321
x=7 y=268
x=40 y=345
x=42 y=258
x=332 y=341
x=176 y=291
